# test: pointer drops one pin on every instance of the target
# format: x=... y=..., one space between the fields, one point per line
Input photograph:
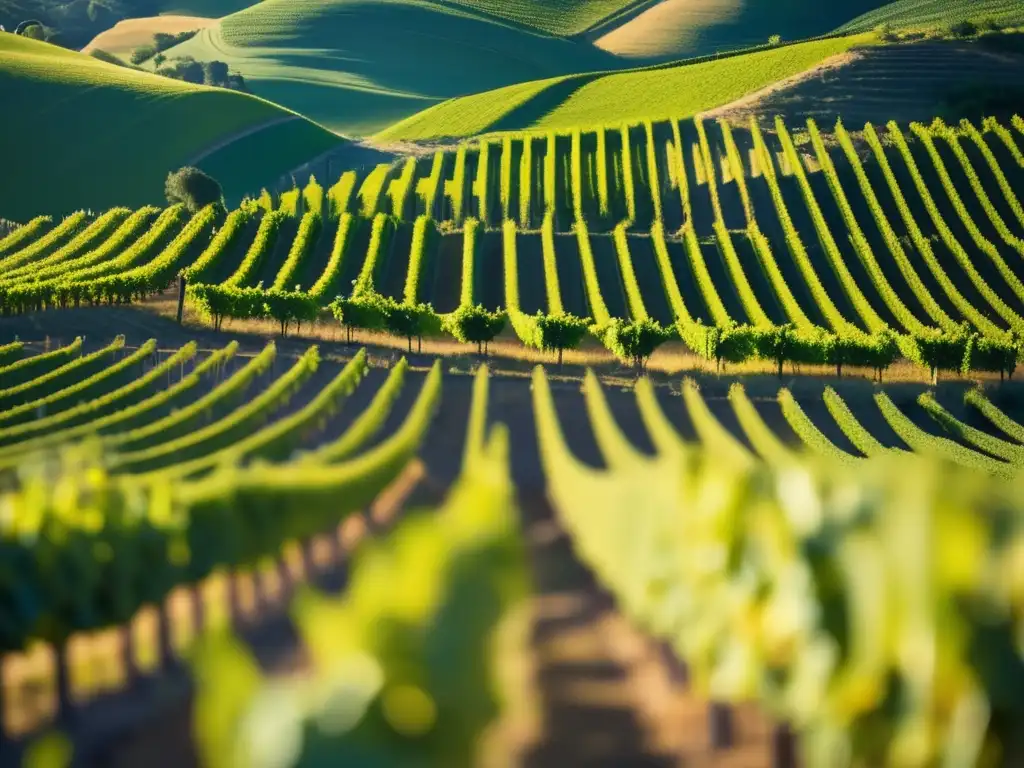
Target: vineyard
x=221 y=480
x=806 y=246
x=932 y=13
x=512 y=383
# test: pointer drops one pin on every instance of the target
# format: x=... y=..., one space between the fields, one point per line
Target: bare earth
x=666 y=29
x=129 y=34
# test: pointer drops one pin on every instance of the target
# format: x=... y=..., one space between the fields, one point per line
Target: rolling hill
x=910 y=14
x=80 y=133
x=357 y=66
x=615 y=97
x=685 y=28
x=129 y=34
x=556 y=17
x=908 y=82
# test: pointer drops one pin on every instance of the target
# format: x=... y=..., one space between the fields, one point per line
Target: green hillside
x=609 y=98
x=557 y=17
x=938 y=13
x=357 y=66
x=80 y=133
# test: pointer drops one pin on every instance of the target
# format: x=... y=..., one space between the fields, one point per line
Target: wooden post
x=62 y=664
x=165 y=643
x=783 y=748
x=181 y=297
x=720 y=725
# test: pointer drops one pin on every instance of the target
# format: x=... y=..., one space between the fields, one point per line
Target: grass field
x=556 y=17
x=922 y=14
x=589 y=100
x=685 y=28
x=79 y=133
x=357 y=66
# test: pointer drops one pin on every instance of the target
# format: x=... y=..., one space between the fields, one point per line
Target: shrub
x=410 y=320
x=363 y=311
x=32 y=29
x=194 y=189
x=142 y=53
x=474 y=324
x=635 y=341
x=887 y=33
x=561 y=332
x=964 y=28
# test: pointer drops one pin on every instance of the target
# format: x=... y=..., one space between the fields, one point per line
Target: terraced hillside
x=58 y=125
x=907 y=82
x=926 y=14
x=357 y=66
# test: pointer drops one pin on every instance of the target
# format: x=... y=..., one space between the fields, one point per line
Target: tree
x=194 y=189
x=32 y=29
x=636 y=341
x=964 y=28
x=143 y=53
x=474 y=324
x=777 y=344
x=561 y=332
x=775 y=40
x=364 y=312
x=215 y=73
x=236 y=83
x=410 y=320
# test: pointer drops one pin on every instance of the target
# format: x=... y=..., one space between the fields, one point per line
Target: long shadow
x=568 y=602
x=541 y=104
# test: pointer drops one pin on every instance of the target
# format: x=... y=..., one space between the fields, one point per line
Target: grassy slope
x=619 y=97
x=82 y=133
x=280 y=148
x=674 y=29
x=557 y=17
x=360 y=65
x=938 y=13
x=211 y=9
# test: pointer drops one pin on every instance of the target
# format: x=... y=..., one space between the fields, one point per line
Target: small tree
x=410 y=321
x=941 y=351
x=194 y=189
x=288 y=306
x=636 y=341
x=32 y=29
x=775 y=40
x=215 y=73
x=475 y=325
x=143 y=53
x=364 y=311
x=561 y=332
x=964 y=28
x=777 y=345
